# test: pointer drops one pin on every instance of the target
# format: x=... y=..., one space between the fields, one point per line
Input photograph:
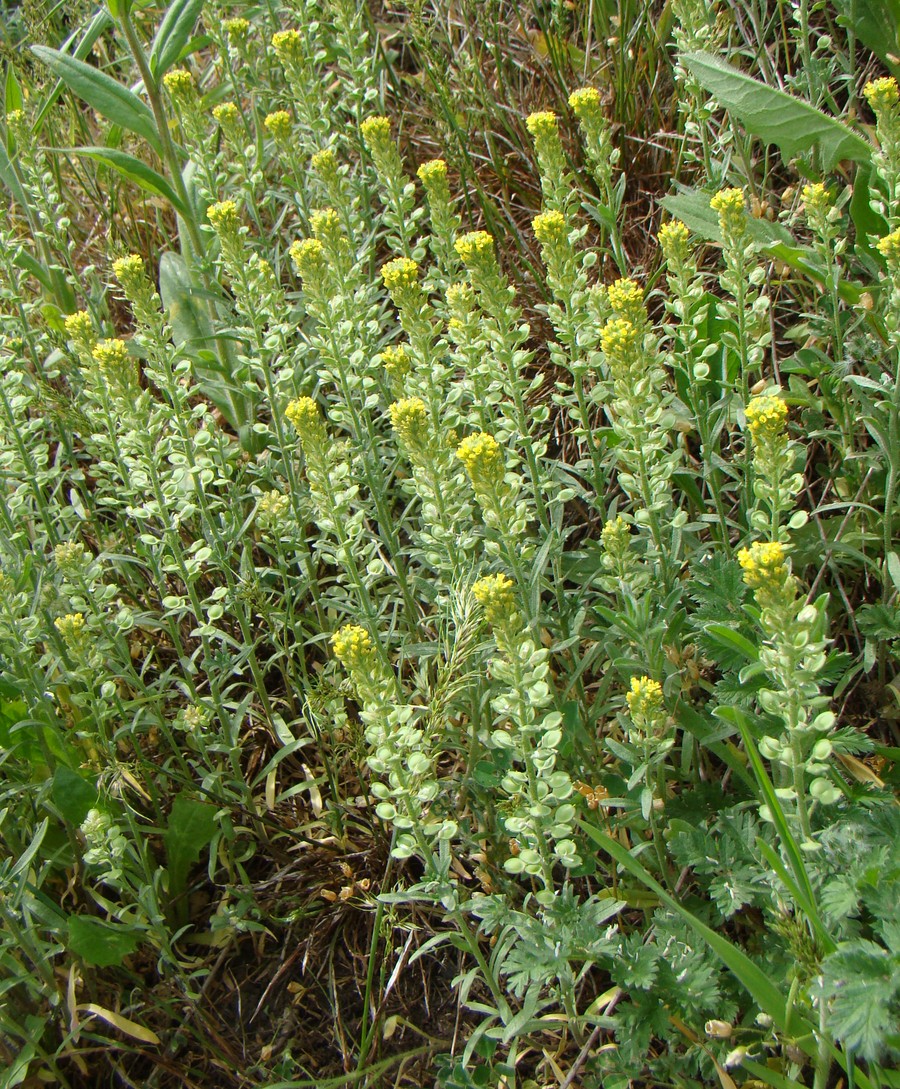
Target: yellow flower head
x=645 y=700
x=674 y=238
x=764 y=565
x=882 y=94
x=324 y=222
x=325 y=163
x=71 y=628
x=483 y=459
x=80 y=330
x=543 y=123
x=550 y=227
x=496 y=595
x=179 y=83
x=460 y=299
x=307 y=421
x=432 y=173
x=129 y=270
x=353 y=648
x=616 y=536
x=376 y=132
x=585 y=102
x=288 y=45
x=223 y=216
x=399 y=273
x=627 y=300
x=817 y=198
x=395 y=358
x=729 y=203
x=279 y=125
x=272 y=507
x=112 y=357
x=227 y=114
x=475 y=245
x=309 y=259
x=889 y=247
x=619 y=340
x=766 y=417
x=236 y=30
x=409 y=418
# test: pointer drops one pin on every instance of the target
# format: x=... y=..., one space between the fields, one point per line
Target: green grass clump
x=449 y=583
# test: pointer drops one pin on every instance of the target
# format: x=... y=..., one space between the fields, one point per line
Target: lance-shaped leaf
x=100 y=91
x=173 y=35
x=132 y=169
x=775 y=117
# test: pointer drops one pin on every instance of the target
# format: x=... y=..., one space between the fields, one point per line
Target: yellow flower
x=324 y=222
x=325 y=163
x=766 y=417
x=129 y=269
x=474 y=245
x=627 y=300
x=764 y=565
x=395 y=358
x=889 y=247
x=236 y=30
x=307 y=421
x=616 y=536
x=432 y=173
x=80 y=330
x=309 y=259
x=816 y=198
x=223 y=216
x=279 y=125
x=585 y=102
x=409 y=418
x=111 y=356
x=272 y=506
x=227 y=114
x=288 y=45
x=645 y=699
x=399 y=273
x=179 y=83
x=549 y=227
x=496 y=595
x=729 y=203
x=483 y=459
x=543 y=123
x=673 y=238
x=70 y=557
x=71 y=628
x=619 y=340
x=882 y=94
x=353 y=647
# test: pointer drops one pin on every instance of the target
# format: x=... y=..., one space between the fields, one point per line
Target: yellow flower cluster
x=549 y=227
x=111 y=356
x=179 y=83
x=272 y=506
x=227 y=115
x=474 y=245
x=409 y=418
x=616 y=536
x=645 y=698
x=395 y=358
x=496 y=595
x=399 y=273
x=673 y=238
x=619 y=340
x=325 y=222
x=376 y=131
x=627 y=300
x=307 y=421
x=80 y=330
x=543 y=123
x=70 y=627
x=817 y=198
x=432 y=173
x=353 y=647
x=729 y=203
x=223 y=216
x=766 y=417
x=889 y=247
x=129 y=271
x=325 y=164
x=483 y=459
x=882 y=94
x=288 y=45
x=764 y=565
x=585 y=102
x=279 y=125
x=236 y=30
x=308 y=256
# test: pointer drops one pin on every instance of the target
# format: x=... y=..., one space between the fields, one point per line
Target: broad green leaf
x=733 y=640
x=72 y=794
x=775 y=117
x=192 y=825
x=13 y=92
x=83 y=49
x=132 y=169
x=174 y=33
x=101 y=944
x=100 y=91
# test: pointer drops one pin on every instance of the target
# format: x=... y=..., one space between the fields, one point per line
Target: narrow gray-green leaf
x=104 y=94
x=12 y=91
x=132 y=169
x=94 y=29
x=793 y=125
x=174 y=33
